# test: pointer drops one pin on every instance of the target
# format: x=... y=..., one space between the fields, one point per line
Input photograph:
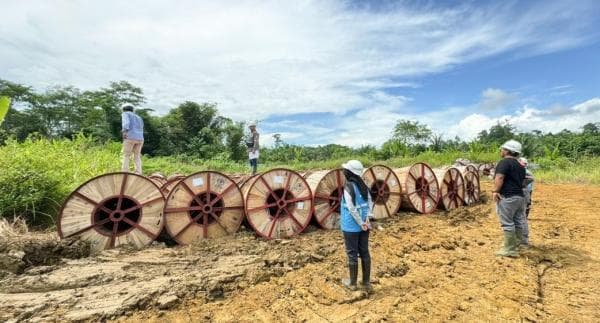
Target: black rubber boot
x=351 y=282
x=366 y=274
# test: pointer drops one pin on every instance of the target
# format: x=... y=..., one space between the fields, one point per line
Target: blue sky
x=320 y=72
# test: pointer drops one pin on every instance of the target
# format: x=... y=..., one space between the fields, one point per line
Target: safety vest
x=347 y=222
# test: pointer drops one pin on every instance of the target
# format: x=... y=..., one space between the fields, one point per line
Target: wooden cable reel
x=385 y=189
x=278 y=203
x=420 y=190
x=328 y=188
x=472 y=168
x=203 y=205
x=472 y=187
x=452 y=188
x=112 y=210
x=158 y=179
x=486 y=169
x=171 y=182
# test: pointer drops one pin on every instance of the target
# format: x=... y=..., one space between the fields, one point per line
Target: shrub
x=29 y=193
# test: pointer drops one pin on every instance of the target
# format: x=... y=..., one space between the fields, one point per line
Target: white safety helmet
x=354 y=166
x=523 y=161
x=252 y=124
x=513 y=145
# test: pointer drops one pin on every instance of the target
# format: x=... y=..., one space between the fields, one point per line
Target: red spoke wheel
x=420 y=189
x=278 y=203
x=112 y=210
x=328 y=188
x=452 y=188
x=385 y=190
x=472 y=168
x=472 y=188
x=203 y=205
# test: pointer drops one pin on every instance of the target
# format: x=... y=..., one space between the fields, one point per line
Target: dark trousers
x=357 y=244
x=254 y=164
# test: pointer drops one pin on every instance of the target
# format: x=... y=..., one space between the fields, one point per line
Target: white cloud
x=530 y=118
x=259 y=58
x=374 y=126
x=262 y=58
x=494 y=99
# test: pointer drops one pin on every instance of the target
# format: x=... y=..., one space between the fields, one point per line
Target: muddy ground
x=435 y=268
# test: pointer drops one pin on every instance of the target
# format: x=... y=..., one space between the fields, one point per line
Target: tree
x=591 y=128
x=498 y=134
x=278 y=142
x=411 y=132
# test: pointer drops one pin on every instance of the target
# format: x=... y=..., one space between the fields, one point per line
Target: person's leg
x=137 y=156
x=351 y=243
x=506 y=209
x=254 y=165
x=365 y=259
x=127 y=150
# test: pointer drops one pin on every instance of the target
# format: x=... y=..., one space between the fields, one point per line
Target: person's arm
x=498 y=182
x=125 y=125
x=352 y=208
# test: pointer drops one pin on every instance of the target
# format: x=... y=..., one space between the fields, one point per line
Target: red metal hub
x=381 y=190
x=109 y=215
x=279 y=201
x=471 y=189
x=206 y=208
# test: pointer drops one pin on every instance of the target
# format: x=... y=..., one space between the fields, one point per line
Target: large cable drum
x=112 y=210
x=486 y=169
x=170 y=183
x=472 y=187
x=385 y=189
x=327 y=187
x=420 y=190
x=278 y=203
x=452 y=188
x=472 y=168
x=158 y=179
x=203 y=205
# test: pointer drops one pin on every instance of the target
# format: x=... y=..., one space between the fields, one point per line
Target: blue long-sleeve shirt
x=133 y=124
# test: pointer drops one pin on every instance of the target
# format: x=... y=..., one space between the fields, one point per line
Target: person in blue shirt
x=355 y=210
x=133 y=138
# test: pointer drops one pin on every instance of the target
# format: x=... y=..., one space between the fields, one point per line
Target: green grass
x=584 y=171
x=37 y=175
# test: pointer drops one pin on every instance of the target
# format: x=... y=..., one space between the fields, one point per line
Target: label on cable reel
x=198 y=181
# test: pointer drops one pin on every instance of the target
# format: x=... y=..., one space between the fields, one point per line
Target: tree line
x=197 y=130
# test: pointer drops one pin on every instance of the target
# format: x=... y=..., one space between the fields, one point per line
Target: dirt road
x=436 y=267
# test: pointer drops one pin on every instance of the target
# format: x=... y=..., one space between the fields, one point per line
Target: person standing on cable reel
x=355 y=210
x=253 y=145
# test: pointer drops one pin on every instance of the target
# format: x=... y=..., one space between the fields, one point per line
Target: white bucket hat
x=354 y=166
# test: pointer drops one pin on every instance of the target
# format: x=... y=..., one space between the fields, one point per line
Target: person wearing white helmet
x=253 y=145
x=355 y=210
x=132 y=131
x=527 y=191
x=509 y=198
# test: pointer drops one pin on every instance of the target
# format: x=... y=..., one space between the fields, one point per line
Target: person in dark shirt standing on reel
x=509 y=198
